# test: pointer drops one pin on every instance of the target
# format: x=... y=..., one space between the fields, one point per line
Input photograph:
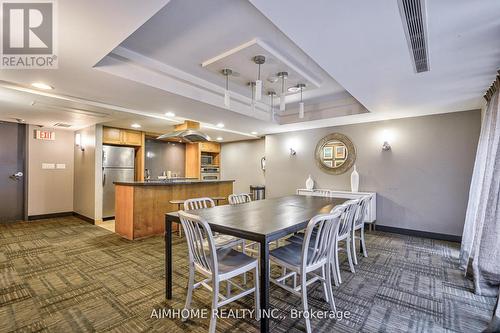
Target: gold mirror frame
x=351 y=153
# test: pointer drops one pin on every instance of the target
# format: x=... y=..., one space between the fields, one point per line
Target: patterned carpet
x=65 y=275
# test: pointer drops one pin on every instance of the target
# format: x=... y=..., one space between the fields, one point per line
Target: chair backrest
x=361 y=211
x=316 y=250
x=348 y=210
x=236 y=199
x=198 y=203
x=323 y=193
x=198 y=234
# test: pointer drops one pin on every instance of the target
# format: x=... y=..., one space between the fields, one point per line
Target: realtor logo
x=28 y=35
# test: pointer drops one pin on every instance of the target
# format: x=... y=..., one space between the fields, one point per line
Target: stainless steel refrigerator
x=117 y=166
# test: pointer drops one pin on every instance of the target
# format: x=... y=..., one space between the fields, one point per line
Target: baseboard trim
x=48 y=216
x=83 y=217
x=108 y=218
x=419 y=233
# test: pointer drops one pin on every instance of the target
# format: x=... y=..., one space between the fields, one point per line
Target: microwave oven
x=207 y=160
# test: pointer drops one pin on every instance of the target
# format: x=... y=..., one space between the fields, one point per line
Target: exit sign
x=45 y=135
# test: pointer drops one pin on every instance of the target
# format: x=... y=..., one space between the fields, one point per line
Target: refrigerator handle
x=103 y=177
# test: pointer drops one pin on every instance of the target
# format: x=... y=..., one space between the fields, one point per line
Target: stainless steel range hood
x=186 y=132
x=187 y=135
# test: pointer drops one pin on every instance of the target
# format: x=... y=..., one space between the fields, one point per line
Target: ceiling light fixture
x=41 y=85
x=252 y=87
x=272 y=94
x=283 y=76
x=135 y=126
x=259 y=60
x=220 y=125
x=254 y=133
x=170 y=114
x=220 y=138
x=301 y=86
x=227 y=99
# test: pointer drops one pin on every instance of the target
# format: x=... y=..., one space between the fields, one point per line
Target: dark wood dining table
x=262 y=221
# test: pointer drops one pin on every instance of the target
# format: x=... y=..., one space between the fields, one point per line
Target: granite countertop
x=171 y=182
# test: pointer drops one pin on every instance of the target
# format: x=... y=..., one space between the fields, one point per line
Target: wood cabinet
x=210 y=147
x=117 y=136
x=193 y=156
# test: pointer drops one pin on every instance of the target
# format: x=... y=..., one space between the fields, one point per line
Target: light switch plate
x=48 y=166
x=60 y=166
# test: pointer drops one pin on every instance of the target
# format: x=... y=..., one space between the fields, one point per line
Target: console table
x=371 y=214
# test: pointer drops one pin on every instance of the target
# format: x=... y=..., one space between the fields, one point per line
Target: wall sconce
x=386 y=137
x=292 y=152
x=78 y=141
x=386 y=146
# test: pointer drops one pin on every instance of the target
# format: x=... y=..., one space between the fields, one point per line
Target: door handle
x=18 y=175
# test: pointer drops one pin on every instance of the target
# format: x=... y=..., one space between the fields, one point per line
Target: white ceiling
x=362 y=45
x=357 y=48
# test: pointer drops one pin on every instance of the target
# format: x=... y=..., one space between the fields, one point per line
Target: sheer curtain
x=481 y=236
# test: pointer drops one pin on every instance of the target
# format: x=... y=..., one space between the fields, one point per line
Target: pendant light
x=252 y=88
x=301 y=86
x=227 y=98
x=272 y=94
x=259 y=60
x=282 y=76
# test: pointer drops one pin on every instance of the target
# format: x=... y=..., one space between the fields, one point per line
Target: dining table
x=261 y=221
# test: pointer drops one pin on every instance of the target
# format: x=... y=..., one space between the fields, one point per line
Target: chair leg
x=228 y=289
x=190 y=289
x=243 y=249
x=349 y=255
x=353 y=248
x=215 y=299
x=257 y=293
x=304 y=303
x=337 y=266
x=329 y=288
x=324 y=283
x=363 y=244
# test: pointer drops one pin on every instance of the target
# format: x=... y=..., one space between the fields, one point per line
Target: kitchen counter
x=140 y=207
x=171 y=182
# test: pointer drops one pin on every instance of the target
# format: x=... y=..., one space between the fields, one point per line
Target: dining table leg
x=264 y=285
x=168 y=258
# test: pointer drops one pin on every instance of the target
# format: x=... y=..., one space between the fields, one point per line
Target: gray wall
x=50 y=190
x=241 y=161
x=162 y=156
x=422 y=183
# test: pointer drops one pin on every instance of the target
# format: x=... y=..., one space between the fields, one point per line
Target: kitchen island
x=140 y=207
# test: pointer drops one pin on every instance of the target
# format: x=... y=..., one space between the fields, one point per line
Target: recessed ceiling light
x=135 y=126
x=254 y=133
x=220 y=125
x=220 y=138
x=170 y=114
x=41 y=85
x=293 y=89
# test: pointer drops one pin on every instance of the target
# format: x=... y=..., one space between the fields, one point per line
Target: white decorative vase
x=355 y=180
x=309 y=183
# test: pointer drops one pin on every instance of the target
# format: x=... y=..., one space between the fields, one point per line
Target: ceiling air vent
x=413 y=15
x=62 y=125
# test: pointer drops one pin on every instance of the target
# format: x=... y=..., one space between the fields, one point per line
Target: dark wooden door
x=12 y=171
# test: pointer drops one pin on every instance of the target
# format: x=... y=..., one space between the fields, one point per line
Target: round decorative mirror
x=335 y=153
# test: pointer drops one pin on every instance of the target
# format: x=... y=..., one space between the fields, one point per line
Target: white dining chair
x=221 y=241
x=348 y=212
x=216 y=265
x=236 y=199
x=306 y=258
x=359 y=224
x=323 y=193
